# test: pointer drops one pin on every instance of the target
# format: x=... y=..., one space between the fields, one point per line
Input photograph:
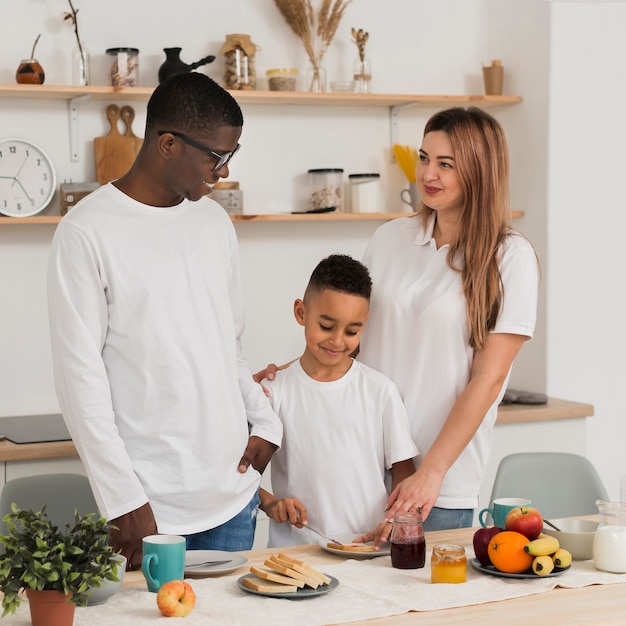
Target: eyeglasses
x=222 y=160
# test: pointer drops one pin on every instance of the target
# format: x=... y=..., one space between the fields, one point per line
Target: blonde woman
x=454 y=299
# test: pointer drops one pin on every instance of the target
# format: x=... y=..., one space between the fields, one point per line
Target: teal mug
x=500 y=509
x=163 y=559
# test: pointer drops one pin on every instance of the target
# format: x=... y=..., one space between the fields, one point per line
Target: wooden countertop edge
x=555 y=409
x=10 y=451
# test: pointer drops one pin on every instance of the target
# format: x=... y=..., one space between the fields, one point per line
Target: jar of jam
x=408 y=546
x=448 y=564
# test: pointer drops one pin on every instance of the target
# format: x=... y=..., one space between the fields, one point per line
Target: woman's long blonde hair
x=481 y=158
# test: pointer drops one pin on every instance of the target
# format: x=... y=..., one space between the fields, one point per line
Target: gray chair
x=61 y=494
x=559 y=484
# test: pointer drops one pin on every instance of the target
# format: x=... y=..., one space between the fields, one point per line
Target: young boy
x=344 y=423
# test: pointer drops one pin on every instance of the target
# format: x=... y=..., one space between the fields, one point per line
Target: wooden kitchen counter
x=10 y=451
x=507 y=414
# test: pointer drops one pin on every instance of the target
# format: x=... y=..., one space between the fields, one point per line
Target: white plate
x=235 y=559
x=301 y=594
x=384 y=550
x=490 y=569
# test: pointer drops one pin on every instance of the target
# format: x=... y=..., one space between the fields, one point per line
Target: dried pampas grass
x=316 y=30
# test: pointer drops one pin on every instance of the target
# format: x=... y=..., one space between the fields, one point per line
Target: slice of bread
x=267 y=586
x=304 y=568
x=351 y=547
x=276 y=578
x=282 y=567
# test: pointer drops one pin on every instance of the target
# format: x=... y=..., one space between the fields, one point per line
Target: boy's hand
x=380 y=534
x=286 y=510
x=258 y=453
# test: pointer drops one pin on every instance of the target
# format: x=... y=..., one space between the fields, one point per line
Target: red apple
x=176 y=598
x=525 y=520
x=481 y=540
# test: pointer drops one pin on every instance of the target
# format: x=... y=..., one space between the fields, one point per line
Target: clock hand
x=25 y=192
x=9 y=177
x=19 y=172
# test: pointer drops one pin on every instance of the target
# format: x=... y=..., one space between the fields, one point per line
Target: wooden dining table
x=594 y=604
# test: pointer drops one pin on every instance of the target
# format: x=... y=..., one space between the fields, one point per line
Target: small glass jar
x=124 y=66
x=326 y=190
x=282 y=79
x=365 y=193
x=228 y=194
x=238 y=62
x=448 y=564
x=408 y=546
x=362 y=75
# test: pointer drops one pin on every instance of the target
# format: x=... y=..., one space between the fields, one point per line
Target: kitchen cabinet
x=74 y=95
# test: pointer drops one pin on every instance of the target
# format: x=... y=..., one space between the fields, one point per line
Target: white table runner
x=368 y=589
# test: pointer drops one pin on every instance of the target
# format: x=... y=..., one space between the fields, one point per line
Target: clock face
x=27 y=178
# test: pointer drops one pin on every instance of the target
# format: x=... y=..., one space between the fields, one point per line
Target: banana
x=543 y=565
x=543 y=546
x=562 y=558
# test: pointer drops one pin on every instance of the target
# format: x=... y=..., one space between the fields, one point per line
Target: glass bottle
x=609 y=542
x=408 y=546
x=362 y=74
x=316 y=78
x=448 y=564
x=80 y=65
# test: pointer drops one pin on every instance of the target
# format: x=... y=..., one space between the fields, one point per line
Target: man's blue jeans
x=234 y=535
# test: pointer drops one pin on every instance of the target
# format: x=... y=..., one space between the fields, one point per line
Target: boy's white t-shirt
x=339 y=438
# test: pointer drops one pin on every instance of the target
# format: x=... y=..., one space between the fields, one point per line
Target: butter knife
x=208 y=563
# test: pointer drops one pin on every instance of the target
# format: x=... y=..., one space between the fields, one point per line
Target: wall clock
x=27 y=178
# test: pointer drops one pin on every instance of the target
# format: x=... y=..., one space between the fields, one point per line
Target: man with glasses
x=146 y=317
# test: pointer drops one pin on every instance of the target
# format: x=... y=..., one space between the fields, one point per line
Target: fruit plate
x=385 y=549
x=234 y=561
x=301 y=594
x=490 y=569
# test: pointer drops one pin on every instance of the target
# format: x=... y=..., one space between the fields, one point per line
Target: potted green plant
x=36 y=556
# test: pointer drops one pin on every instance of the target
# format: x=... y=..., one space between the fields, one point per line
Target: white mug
x=411 y=196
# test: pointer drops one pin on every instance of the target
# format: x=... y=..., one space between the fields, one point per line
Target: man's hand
x=258 y=453
x=269 y=372
x=380 y=534
x=130 y=530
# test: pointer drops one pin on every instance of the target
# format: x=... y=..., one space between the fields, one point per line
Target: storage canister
x=238 y=57
x=365 y=194
x=124 y=66
x=228 y=194
x=326 y=189
x=282 y=79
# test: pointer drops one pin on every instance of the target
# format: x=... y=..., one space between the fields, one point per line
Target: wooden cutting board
x=115 y=153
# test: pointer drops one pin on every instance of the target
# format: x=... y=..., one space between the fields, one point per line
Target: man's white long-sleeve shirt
x=146 y=316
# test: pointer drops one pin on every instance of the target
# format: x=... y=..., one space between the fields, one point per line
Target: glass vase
x=80 y=65
x=362 y=74
x=316 y=79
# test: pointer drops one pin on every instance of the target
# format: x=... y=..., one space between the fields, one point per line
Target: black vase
x=174 y=65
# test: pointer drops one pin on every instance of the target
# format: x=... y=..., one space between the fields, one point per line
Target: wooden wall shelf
x=100 y=92
x=278 y=217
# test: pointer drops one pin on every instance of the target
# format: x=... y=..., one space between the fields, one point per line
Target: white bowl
x=101 y=594
x=576 y=536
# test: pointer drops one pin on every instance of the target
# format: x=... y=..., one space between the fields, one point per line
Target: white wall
x=586 y=335
x=416 y=47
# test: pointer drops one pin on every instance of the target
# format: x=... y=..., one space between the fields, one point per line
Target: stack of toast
x=284 y=574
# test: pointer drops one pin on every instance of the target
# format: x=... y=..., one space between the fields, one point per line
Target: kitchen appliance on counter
x=34 y=428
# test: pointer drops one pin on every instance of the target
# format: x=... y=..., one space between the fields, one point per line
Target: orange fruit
x=506 y=551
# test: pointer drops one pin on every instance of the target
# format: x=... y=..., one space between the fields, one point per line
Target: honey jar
x=448 y=564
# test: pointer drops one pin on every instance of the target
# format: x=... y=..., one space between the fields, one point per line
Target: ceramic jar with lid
x=365 y=194
x=228 y=194
x=326 y=189
x=238 y=62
